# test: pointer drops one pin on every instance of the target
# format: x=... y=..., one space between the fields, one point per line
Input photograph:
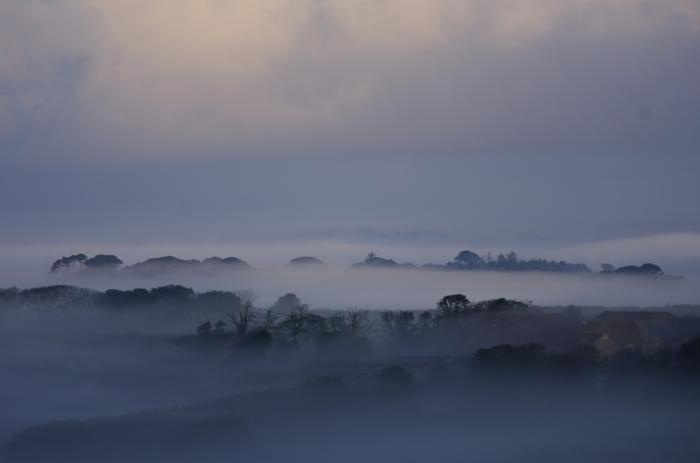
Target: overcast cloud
x=483 y=122
x=128 y=79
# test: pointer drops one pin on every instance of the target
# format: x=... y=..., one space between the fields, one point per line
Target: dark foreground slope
x=389 y=416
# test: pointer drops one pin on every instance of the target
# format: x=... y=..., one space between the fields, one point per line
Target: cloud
x=175 y=78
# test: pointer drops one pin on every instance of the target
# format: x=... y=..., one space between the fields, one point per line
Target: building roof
x=622 y=332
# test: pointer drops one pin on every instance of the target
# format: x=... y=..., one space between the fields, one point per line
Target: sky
x=565 y=129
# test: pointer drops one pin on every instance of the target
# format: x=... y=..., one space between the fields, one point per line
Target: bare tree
x=247 y=314
x=270 y=320
x=338 y=323
x=358 y=322
x=293 y=324
x=301 y=321
x=426 y=321
x=398 y=323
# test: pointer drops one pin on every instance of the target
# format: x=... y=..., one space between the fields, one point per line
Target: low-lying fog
x=105 y=381
x=54 y=375
x=82 y=371
x=335 y=285
x=338 y=287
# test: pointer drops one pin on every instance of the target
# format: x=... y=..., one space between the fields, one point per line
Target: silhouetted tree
x=426 y=321
x=173 y=295
x=607 y=268
x=651 y=269
x=246 y=315
x=644 y=269
x=500 y=304
x=468 y=259
x=305 y=261
x=128 y=299
x=398 y=322
x=453 y=306
x=286 y=303
x=74 y=262
x=358 y=322
x=103 y=261
x=270 y=320
x=293 y=325
x=301 y=321
x=220 y=327
x=337 y=323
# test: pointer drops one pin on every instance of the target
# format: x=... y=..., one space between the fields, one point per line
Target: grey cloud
x=490 y=123
x=130 y=81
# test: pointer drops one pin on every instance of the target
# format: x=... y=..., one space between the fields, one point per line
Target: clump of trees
x=168 y=297
x=441 y=329
x=398 y=323
x=59 y=301
x=468 y=260
x=449 y=312
x=288 y=323
x=291 y=322
x=453 y=306
x=373 y=260
x=305 y=261
x=246 y=316
x=644 y=269
x=45 y=302
x=533 y=357
x=79 y=262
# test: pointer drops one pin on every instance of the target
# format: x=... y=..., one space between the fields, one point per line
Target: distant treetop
x=104 y=261
x=69 y=263
x=644 y=269
x=306 y=260
x=373 y=260
x=79 y=262
x=468 y=260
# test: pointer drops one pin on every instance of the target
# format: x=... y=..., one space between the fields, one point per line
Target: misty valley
x=349 y=231
x=173 y=373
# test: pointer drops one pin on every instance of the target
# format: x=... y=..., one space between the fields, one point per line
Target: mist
x=345 y=230
x=85 y=389
x=336 y=287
